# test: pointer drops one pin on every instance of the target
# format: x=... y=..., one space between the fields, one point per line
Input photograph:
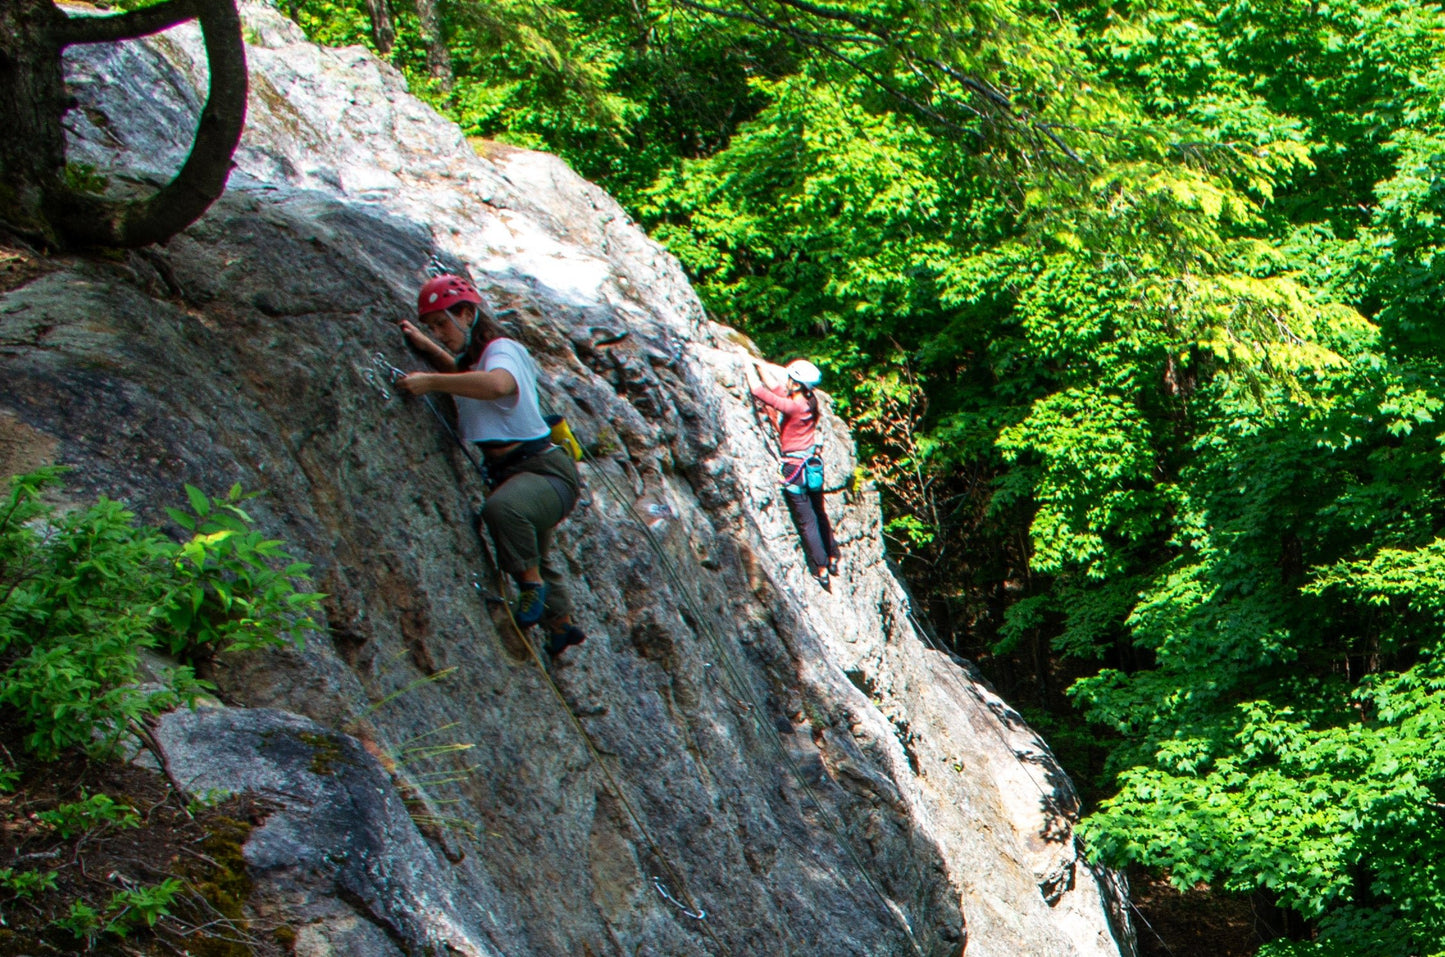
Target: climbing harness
x=810 y=470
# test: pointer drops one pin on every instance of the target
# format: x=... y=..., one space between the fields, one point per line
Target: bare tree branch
x=126 y=26
x=95 y=221
x=877 y=35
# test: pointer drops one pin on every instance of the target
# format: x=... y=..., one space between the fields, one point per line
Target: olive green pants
x=521 y=514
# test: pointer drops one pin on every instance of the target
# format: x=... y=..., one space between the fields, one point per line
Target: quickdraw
x=657 y=882
x=381 y=375
x=707 y=669
x=384 y=367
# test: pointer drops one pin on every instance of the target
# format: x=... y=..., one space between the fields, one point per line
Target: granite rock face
x=798 y=764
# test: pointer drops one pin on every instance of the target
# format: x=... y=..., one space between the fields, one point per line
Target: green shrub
x=234 y=586
x=84 y=593
x=138 y=906
x=68 y=820
x=26 y=883
x=83 y=922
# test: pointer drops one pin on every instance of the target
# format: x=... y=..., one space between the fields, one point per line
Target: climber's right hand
x=417 y=383
x=413 y=335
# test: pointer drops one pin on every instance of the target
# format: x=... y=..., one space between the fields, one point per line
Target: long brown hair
x=808 y=394
x=483 y=330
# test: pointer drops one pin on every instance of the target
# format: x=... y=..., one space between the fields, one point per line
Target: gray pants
x=521 y=514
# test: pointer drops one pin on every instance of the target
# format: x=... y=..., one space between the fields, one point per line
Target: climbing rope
x=1047 y=797
x=928 y=639
x=754 y=708
x=686 y=907
x=383 y=367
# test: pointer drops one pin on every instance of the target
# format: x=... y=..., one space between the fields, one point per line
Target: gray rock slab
x=338 y=852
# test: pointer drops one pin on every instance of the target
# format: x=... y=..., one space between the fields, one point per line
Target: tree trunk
x=438 y=57
x=35 y=197
x=202 y=179
x=32 y=101
x=383 y=30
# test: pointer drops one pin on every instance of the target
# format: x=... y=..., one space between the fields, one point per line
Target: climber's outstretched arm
x=496 y=384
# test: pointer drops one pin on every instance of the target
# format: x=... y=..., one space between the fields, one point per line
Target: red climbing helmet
x=445 y=291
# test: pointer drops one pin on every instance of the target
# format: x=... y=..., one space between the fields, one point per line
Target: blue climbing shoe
x=530 y=603
x=564 y=638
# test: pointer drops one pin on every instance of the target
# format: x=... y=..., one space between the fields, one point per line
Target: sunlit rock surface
x=798 y=764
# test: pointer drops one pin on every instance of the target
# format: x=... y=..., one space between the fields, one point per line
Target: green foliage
x=1299 y=800
x=83 y=594
x=78 y=592
x=140 y=906
x=96 y=810
x=26 y=883
x=83 y=922
x=83 y=178
x=126 y=911
x=237 y=589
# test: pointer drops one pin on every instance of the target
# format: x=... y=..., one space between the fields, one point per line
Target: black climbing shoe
x=833 y=566
x=564 y=638
x=821 y=575
x=531 y=602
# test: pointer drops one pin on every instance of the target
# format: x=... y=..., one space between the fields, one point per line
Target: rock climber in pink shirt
x=797 y=421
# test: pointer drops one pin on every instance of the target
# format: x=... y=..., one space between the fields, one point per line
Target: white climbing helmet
x=804 y=373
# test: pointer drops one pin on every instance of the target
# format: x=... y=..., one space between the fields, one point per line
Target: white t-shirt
x=515 y=418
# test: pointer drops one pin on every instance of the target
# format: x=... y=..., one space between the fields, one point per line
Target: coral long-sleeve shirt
x=798 y=428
